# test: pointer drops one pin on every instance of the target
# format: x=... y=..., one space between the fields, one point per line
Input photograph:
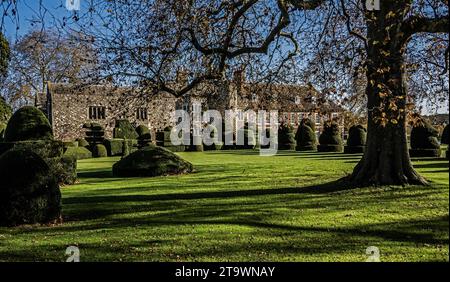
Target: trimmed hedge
x=124 y=130
x=445 y=135
x=99 y=151
x=28 y=123
x=163 y=140
x=29 y=195
x=356 y=141
x=330 y=140
x=79 y=153
x=306 y=138
x=424 y=141
x=286 y=138
x=151 y=161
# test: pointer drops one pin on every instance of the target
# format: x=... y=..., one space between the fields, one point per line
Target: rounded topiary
x=356 y=141
x=424 y=140
x=308 y=122
x=28 y=195
x=28 y=123
x=99 y=151
x=286 y=137
x=445 y=135
x=151 y=161
x=306 y=138
x=124 y=130
x=144 y=136
x=330 y=140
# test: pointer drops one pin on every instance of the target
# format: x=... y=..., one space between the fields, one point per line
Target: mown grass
x=239 y=206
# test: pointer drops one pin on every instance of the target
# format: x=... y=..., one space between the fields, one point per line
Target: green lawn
x=239 y=206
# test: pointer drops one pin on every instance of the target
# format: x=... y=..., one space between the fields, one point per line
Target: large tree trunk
x=386 y=159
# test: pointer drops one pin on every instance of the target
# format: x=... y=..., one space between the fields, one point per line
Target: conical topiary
x=356 y=141
x=26 y=124
x=95 y=134
x=330 y=140
x=424 y=140
x=124 y=130
x=286 y=137
x=151 y=161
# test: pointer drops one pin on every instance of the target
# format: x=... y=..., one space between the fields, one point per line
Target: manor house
x=69 y=106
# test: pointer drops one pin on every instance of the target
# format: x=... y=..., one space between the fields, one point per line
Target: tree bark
x=386 y=159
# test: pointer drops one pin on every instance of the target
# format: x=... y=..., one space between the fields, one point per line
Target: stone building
x=68 y=106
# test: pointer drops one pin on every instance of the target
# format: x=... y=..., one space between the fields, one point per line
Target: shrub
x=286 y=137
x=71 y=144
x=82 y=142
x=356 y=141
x=228 y=135
x=44 y=148
x=124 y=130
x=445 y=135
x=214 y=135
x=273 y=139
x=144 y=136
x=195 y=148
x=64 y=168
x=309 y=122
x=79 y=153
x=163 y=140
x=28 y=123
x=27 y=195
x=99 y=151
x=94 y=133
x=306 y=138
x=424 y=140
x=151 y=161
x=330 y=139
x=125 y=148
x=114 y=147
x=249 y=138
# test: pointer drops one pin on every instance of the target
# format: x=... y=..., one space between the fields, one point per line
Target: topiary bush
x=445 y=135
x=144 y=136
x=228 y=134
x=29 y=195
x=214 y=135
x=94 y=134
x=286 y=137
x=151 y=161
x=306 y=138
x=78 y=153
x=124 y=130
x=330 y=140
x=114 y=147
x=195 y=148
x=356 y=141
x=64 y=169
x=99 y=151
x=424 y=140
x=28 y=123
x=163 y=140
x=82 y=142
x=249 y=138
